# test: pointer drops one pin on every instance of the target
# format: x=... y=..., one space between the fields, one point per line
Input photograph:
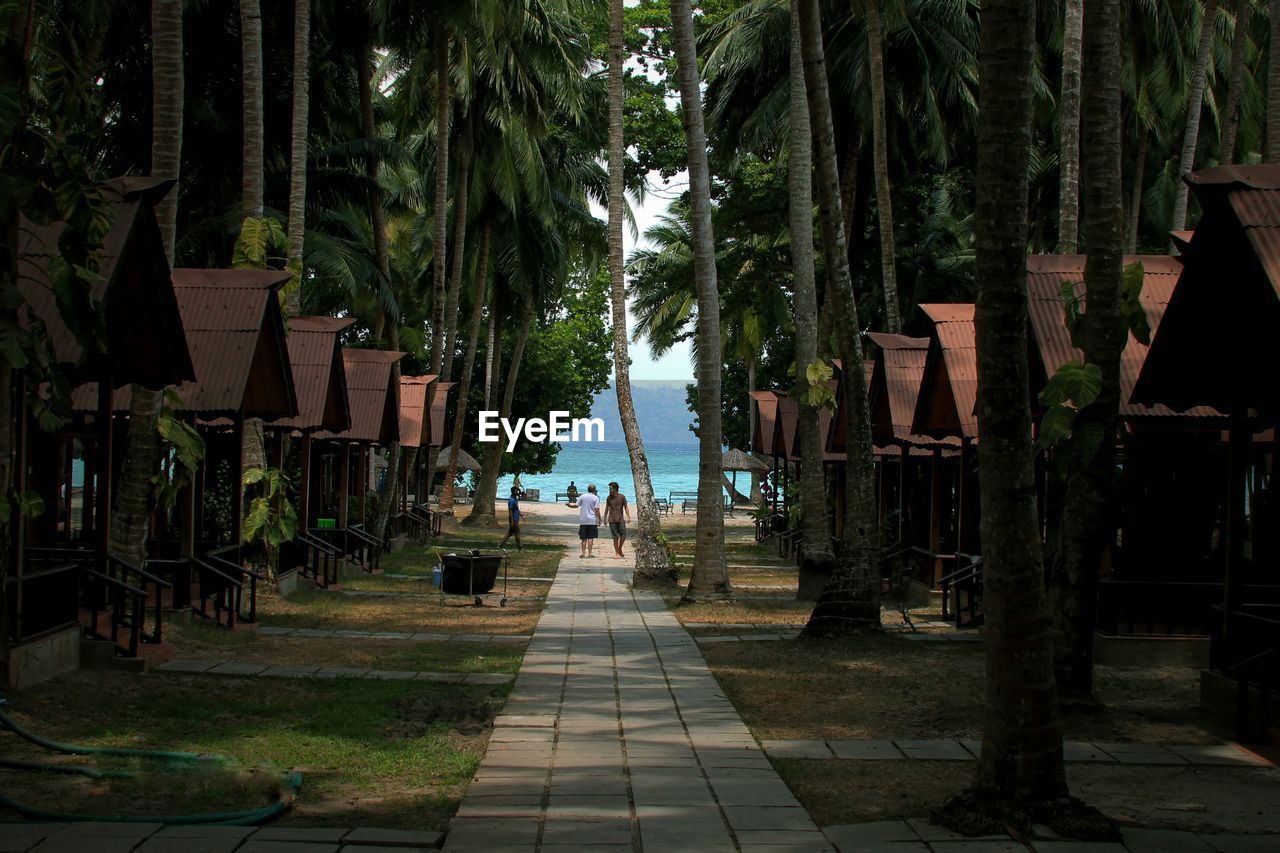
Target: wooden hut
x=1217 y=329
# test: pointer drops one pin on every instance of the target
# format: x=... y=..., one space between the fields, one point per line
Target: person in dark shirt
x=513 y=519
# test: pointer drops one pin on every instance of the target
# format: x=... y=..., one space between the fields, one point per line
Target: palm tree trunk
x=1273 y=87
x=848 y=206
x=438 y=249
x=366 y=62
x=491 y=356
x=1231 y=115
x=1021 y=760
x=252 y=179
x=134 y=498
x=1194 y=102
x=880 y=160
x=1069 y=118
x=468 y=365
x=251 y=81
x=851 y=599
x=710 y=577
x=460 y=198
x=817 y=555
x=1087 y=521
x=653 y=563
x=1135 y=200
x=298 y=149
x=491 y=465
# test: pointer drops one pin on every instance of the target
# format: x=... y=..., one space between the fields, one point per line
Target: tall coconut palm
x=1230 y=118
x=653 y=565
x=298 y=147
x=815 y=535
x=480 y=289
x=851 y=599
x=439 y=265
x=1273 y=86
x=1086 y=521
x=1192 y=132
x=131 y=518
x=880 y=165
x=1069 y=118
x=710 y=576
x=252 y=114
x=1021 y=759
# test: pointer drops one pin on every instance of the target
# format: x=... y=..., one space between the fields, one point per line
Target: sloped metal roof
x=319 y=378
x=374 y=396
x=436 y=419
x=145 y=341
x=1052 y=340
x=765 y=412
x=235 y=331
x=1215 y=345
x=414 y=419
x=949 y=384
x=895 y=388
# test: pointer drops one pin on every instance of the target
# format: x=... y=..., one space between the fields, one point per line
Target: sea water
x=672 y=468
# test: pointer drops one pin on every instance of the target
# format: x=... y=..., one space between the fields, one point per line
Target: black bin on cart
x=474 y=575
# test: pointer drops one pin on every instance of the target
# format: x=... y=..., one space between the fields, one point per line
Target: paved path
x=617 y=737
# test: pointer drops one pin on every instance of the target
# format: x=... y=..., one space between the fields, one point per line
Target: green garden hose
x=6 y=722
x=246 y=817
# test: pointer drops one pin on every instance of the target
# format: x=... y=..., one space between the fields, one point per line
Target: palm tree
x=1273 y=86
x=1084 y=532
x=131 y=518
x=439 y=266
x=880 y=165
x=653 y=564
x=815 y=535
x=851 y=599
x=1069 y=117
x=298 y=146
x=1198 y=73
x=468 y=363
x=1021 y=759
x=251 y=81
x=1230 y=119
x=709 y=577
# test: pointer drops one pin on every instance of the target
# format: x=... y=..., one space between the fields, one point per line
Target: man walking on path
x=615 y=507
x=513 y=519
x=589 y=519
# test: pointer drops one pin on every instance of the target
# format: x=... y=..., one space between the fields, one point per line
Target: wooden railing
x=223 y=580
x=366 y=545
x=1252 y=658
x=1168 y=607
x=319 y=559
x=152 y=588
x=965 y=585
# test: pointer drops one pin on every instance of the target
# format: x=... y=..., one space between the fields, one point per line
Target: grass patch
x=535 y=561
x=204 y=642
x=375 y=753
x=885 y=687
x=418 y=613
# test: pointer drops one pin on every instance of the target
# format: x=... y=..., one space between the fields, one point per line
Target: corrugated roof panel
x=413 y=409
x=766 y=415
x=895 y=389
x=374 y=397
x=318 y=375
x=949 y=387
x=145 y=339
x=436 y=419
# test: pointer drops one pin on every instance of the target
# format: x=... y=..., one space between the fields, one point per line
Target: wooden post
x=103 y=498
x=1234 y=526
x=344 y=488
x=902 y=493
x=935 y=511
x=237 y=485
x=304 y=487
x=187 y=512
x=961 y=495
x=362 y=481
x=18 y=525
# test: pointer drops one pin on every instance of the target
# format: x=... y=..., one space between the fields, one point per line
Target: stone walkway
x=944 y=749
x=617 y=737
x=156 y=838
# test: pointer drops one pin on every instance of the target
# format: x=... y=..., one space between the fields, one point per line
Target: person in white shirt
x=589 y=519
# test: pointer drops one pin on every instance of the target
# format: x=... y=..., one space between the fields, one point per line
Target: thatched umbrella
x=466 y=462
x=736 y=460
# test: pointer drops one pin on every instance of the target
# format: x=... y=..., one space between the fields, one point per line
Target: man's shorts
x=618 y=529
x=588 y=531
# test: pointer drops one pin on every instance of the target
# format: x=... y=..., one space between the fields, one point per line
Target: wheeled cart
x=473 y=574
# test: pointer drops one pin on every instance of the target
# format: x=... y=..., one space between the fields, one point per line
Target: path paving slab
x=392 y=837
x=255 y=846
x=188 y=845
x=796 y=748
x=187 y=665
x=237 y=668
x=1242 y=843
x=1159 y=840
x=324 y=834
x=1141 y=753
x=1225 y=754
x=865 y=750
x=934 y=750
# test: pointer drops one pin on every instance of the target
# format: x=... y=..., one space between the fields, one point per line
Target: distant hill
x=660 y=408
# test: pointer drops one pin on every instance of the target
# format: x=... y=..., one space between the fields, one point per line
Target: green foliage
x=1135 y=316
x=271 y=519
x=818 y=394
x=184 y=443
x=262 y=243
